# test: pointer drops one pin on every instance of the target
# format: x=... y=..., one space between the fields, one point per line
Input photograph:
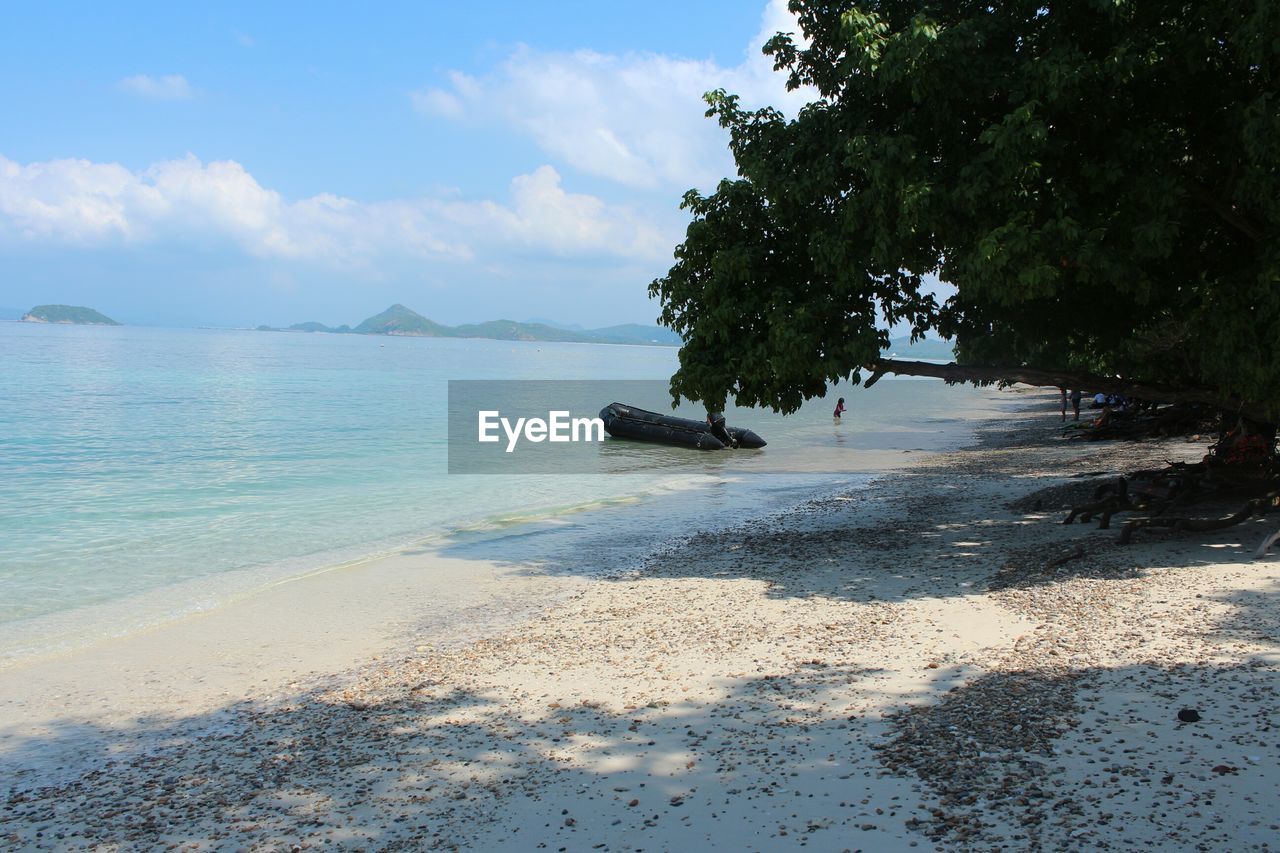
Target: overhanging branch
x=954 y=373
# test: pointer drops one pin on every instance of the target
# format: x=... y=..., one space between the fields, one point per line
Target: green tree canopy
x=1099 y=179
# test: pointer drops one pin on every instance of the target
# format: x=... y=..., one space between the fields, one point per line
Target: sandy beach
x=932 y=662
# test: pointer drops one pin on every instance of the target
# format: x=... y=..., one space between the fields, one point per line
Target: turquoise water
x=134 y=460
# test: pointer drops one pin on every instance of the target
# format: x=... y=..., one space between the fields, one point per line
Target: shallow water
x=146 y=473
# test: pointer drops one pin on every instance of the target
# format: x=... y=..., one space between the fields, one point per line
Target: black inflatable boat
x=622 y=421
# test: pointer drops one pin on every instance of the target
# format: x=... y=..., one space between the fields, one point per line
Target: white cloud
x=170 y=87
x=189 y=203
x=438 y=102
x=635 y=118
x=542 y=215
x=446 y=103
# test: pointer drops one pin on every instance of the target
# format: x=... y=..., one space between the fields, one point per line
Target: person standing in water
x=720 y=430
x=839 y=408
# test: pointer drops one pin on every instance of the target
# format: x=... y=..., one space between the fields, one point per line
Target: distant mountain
x=309 y=326
x=626 y=333
x=11 y=314
x=400 y=320
x=932 y=350
x=67 y=314
x=556 y=324
x=510 y=330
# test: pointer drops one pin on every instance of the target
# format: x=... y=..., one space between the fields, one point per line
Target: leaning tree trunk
x=953 y=373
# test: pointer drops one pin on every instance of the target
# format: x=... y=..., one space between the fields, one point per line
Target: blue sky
x=235 y=164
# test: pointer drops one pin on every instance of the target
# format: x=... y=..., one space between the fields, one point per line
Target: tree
x=1099 y=179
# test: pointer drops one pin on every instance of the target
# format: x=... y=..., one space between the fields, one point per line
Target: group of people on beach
x=1100 y=401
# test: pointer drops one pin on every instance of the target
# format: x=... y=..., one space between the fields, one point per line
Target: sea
x=149 y=473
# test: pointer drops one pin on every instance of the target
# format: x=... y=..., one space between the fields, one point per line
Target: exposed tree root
x=1257 y=506
x=1234 y=469
x=1155 y=490
x=1139 y=422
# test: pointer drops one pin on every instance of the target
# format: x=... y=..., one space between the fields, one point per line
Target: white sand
x=65 y=710
x=894 y=669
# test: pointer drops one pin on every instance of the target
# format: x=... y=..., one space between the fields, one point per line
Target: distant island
x=67 y=314
x=399 y=320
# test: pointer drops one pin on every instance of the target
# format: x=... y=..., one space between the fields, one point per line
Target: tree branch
x=953 y=374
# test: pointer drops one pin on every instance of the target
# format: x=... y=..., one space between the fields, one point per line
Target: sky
x=233 y=164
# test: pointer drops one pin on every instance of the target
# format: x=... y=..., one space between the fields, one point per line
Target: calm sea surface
x=177 y=466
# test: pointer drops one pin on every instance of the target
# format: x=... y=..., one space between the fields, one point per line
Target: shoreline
x=890 y=668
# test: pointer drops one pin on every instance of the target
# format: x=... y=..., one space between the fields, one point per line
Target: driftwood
x=954 y=373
